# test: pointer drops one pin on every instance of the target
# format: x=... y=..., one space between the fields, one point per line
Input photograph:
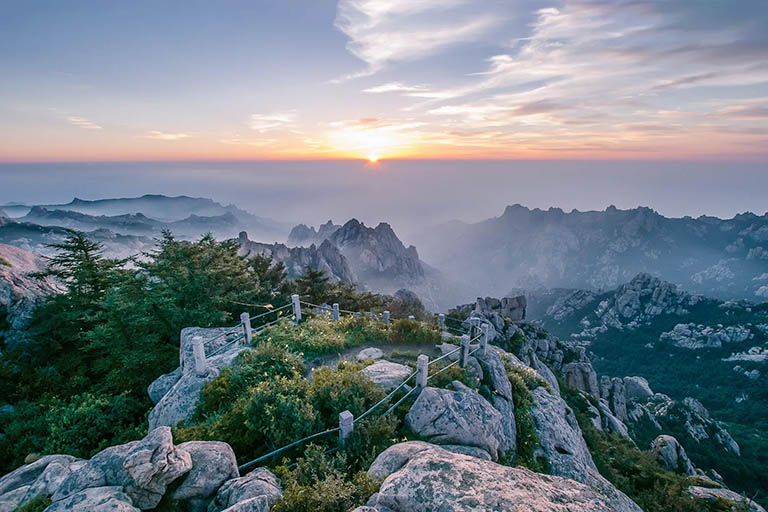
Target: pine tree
x=314 y=284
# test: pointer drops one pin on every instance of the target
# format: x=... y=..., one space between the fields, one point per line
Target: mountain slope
x=688 y=345
x=598 y=250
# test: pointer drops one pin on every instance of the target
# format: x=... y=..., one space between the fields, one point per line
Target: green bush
x=313 y=336
x=322 y=484
x=36 y=504
x=362 y=330
x=267 y=361
x=413 y=331
x=332 y=392
x=523 y=380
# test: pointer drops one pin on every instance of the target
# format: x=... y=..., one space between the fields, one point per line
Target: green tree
x=314 y=285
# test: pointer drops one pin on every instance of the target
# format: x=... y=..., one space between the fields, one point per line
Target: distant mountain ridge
x=183 y=215
x=598 y=250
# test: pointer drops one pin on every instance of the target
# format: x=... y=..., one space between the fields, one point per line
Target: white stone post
x=422 y=367
x=385 y=317
x=441 y=321
x=464 y=350
x=335 y=313
x=245 y=319
x=198 y=351
x=346 y=426
x=411 y=317
x=484 y=339
x=296 y=308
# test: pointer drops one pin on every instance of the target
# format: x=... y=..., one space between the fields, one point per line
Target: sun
x=373 y=158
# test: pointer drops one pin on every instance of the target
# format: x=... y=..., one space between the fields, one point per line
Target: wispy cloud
x=382 y=32
x=83 y=123
x=268 y=122
x=158 y=135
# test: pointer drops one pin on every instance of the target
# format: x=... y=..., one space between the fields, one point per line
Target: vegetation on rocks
x=637 y=473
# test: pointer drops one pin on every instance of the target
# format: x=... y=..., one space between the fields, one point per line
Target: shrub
x=321 y=484
x=267 y=361
x=412 y=331
x=278 y=412
x=522 y=381
x=36 y=504
x=313 y=336
x=362 y=330
x=332 y=392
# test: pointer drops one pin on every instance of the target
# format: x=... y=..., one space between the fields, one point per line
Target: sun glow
x=373 y=158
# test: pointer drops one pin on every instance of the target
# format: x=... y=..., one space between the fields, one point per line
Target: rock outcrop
x=420 y=476
x=258 y=491
x=386 y=374
x=143 y=469
x=460 y=417
x=325 y=257
x=713 y=495
x=95 y=499
x=176 y=393
x=672 y=455
x=39 y=478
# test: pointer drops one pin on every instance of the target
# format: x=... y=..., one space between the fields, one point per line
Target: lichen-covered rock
x=213 y=463
x=258 y=491
x=144 y=469
x=712 y=495
x=386 y=374
x=425 y=478
x=39 y=478
x=95 y=499
x=672 y=455
x=456 y=417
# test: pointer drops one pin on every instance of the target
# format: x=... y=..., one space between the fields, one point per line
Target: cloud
x=158 y=135
x=83 y=123
x=274 y=121
x=382 y=32
x=395 y=87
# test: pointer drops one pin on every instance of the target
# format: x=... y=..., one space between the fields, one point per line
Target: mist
x=411 y=195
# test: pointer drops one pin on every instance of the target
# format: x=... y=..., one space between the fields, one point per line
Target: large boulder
x=95 y=499
x=612 y=390
x=712 y=495
x=637 y=388
x=39 y=478
x=420 y=476
x=386 y=374
x=671 y=454
x=456 y=417
x=581 y=375
x=563 y=446
x=258 y=491
x=213 y=463
x=144 y=469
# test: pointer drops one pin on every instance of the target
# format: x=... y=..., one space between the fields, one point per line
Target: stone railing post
x=484 y=339
x=335 y=313
x=198 y=351
x=245 y=319
x=385 y=317
x=422 y=367
x=464 y=350
x=346 y=426
x=441 y=321
x=411 y=317
x=296 y=308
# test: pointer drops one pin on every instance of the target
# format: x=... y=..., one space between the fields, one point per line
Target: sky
x=585 y=80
